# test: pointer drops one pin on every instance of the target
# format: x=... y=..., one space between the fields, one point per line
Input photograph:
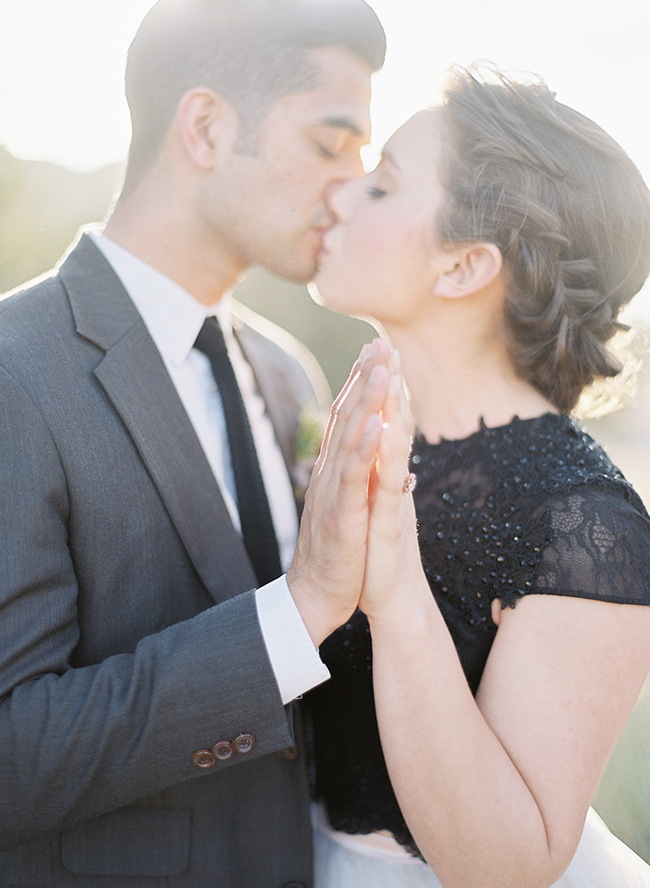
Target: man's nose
x=330 y=195
x=339 y=198
x=350 y=167
x=351 y=171
x=355 y=167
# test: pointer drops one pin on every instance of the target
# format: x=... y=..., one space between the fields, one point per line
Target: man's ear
x=468 y=269
x=208 y=126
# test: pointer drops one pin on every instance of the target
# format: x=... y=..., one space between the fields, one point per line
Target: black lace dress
x=534 y=507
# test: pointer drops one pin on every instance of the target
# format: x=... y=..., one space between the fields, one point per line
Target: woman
x=495 y=244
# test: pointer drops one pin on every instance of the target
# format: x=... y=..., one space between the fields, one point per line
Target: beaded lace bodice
x=533 y=507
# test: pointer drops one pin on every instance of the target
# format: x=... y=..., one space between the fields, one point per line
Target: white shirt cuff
x=295 y=661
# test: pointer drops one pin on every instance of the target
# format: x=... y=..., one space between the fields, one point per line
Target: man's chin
x=297 y=273
x=297 y=266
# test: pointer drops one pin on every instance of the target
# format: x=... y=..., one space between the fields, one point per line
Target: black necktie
x=254 y=513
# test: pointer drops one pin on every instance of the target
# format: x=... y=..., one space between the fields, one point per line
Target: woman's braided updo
x=568 y=210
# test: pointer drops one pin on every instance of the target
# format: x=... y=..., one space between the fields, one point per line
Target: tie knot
x=211 y=340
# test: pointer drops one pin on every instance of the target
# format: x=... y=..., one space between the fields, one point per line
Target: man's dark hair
x=251 y=52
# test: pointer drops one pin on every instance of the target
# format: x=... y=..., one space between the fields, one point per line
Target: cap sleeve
x=598 y=546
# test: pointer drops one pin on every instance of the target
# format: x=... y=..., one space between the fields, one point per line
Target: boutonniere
x=309 y=436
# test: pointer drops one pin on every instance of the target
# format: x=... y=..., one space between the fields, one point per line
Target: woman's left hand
x=393 y=558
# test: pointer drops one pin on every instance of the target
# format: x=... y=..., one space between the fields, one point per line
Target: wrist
x=320 y=613
x=411 y=604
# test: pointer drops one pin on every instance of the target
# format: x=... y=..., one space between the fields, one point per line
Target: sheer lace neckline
x=516 y=423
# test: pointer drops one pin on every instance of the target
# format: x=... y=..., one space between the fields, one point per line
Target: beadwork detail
x=532 y=507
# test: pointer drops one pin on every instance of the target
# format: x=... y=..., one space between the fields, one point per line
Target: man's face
x=270 y=209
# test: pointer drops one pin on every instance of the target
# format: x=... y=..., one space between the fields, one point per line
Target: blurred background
x=64 y=135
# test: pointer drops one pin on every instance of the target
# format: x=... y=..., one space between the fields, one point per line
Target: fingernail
x=364 y=352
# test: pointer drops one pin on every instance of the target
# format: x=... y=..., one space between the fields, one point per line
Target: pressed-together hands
x=358 y=529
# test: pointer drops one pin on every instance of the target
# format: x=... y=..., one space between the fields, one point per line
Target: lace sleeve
x=598 y=547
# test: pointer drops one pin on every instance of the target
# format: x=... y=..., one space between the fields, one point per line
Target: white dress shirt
x=174 y=318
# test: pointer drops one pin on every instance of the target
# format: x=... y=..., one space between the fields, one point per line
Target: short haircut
x=569 y=211
x=252 y=52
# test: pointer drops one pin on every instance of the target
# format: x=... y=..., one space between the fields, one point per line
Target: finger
x=357 y=466
x=365 y=396
x=371 y=354
x=397 y=416
x=395 y=366
x=345 y=471
x=392 y=462
x=345 y=466
x=390 y=504
x=375 y=352
x=363 y=399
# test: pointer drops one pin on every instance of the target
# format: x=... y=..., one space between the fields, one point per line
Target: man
x=146 y=735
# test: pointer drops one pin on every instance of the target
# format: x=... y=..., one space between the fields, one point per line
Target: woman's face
x=379 y=258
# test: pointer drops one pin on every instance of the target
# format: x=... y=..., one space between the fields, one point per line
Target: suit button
x=290 y=754
x=223 y=750
x=203 y=759
x=243 y=743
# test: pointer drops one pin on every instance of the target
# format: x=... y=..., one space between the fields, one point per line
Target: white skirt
x=601 y=861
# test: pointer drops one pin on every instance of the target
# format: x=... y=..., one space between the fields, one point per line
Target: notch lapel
x=134 y=378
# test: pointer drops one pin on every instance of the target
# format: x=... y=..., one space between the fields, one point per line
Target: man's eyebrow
x=344 y=123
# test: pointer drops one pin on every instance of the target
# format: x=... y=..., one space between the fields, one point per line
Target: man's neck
x=175 y=248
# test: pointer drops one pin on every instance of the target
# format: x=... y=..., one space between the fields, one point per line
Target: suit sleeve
x=76 y=742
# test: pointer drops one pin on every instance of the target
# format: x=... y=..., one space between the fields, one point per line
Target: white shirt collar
x=171 y=314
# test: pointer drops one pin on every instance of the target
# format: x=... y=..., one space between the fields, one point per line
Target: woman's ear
x=208 y=126
x=468 y=269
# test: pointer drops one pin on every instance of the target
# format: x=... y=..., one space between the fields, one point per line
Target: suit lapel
x=135 y=380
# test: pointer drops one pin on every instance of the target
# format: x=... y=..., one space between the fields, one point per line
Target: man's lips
x=326 y=244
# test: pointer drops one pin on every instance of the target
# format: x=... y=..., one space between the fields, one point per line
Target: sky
x=61 y=66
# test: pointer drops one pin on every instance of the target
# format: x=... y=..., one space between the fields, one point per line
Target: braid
x=569 y=331
x=570 y=214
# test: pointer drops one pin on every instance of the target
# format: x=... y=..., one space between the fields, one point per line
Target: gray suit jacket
x=129 y=634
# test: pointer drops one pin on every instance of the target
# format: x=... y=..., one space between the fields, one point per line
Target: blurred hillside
x=41 y=208
x=43 y=205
